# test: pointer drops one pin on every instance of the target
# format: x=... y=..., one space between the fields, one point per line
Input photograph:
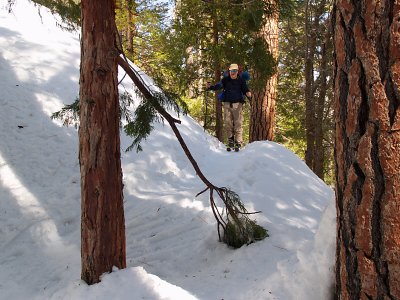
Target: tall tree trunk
x=129 y=31
x=313 y=15
x=217 y=77
x=102 y=220
x=218 y=109
x=262 y=115
x=367 y=85
x=319 y=128
x=310 y=43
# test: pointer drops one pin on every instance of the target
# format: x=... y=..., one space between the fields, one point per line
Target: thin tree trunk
x=313 y=17
x=129 y=31
x=102 y=221
x=217 y=77
x=262 y=116
x=367 y=82
x=319 y=129
x=308 y=89
x=218 y=110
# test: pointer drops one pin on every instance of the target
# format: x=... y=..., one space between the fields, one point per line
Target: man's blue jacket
x=234 y=89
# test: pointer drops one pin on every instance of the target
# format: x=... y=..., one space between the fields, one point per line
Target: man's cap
x=233 y=67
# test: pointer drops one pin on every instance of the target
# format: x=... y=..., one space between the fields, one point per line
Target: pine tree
x=141 y=25
x=102 y=221
x=262 y=116
x=291 y=104
x=315 y=61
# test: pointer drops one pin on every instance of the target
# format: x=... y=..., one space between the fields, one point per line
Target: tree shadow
x=36 y=156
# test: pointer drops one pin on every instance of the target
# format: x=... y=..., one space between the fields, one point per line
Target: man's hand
x=248 y=95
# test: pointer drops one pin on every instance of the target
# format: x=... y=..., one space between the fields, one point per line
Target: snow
x=173 y=250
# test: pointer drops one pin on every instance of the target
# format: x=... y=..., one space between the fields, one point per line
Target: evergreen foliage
x=236 y=25
x=291 y=110
x=69 y=114
x=204 y=38
x=237 y=228
x=140 y=126
x=139 y=123
x=291 y=103
x=240 y=229
x=68 y=10
x=147 y=22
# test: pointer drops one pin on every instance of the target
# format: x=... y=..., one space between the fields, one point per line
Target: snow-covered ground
x=172 y=243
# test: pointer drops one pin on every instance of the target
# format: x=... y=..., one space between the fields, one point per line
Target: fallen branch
x=238 y=229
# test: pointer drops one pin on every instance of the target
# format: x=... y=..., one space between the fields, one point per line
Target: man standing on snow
x=234 y=88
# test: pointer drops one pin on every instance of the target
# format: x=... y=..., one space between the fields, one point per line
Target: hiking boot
x=237 y=147
x=231 y=142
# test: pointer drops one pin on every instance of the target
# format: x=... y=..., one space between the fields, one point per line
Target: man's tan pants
x=233 y=120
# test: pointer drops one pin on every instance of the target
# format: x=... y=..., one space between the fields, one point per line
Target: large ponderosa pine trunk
x=102 y=223
x=367 y=97
x=262 y=116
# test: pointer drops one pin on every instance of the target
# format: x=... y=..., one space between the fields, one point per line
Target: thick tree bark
x=262 y=116
x=367 y=97
x=102 y=223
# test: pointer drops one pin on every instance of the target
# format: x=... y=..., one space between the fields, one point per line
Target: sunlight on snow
x=162 y=288
x=300 y=207
x=189 y=203
x=49 y=104
x=305 y=222
x=281 y=205
x=46 y=230
x=30 y=65
x=25 y=199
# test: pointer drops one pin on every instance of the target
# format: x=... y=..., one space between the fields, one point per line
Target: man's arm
x=245 y=89
x=215 y=87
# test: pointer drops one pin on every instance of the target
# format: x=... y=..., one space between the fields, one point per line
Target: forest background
x=285 y=45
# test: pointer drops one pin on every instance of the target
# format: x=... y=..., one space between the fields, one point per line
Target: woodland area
x=325 y=78
x=286 y=46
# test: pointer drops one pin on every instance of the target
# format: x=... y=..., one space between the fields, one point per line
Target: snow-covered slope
x=172 y=243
